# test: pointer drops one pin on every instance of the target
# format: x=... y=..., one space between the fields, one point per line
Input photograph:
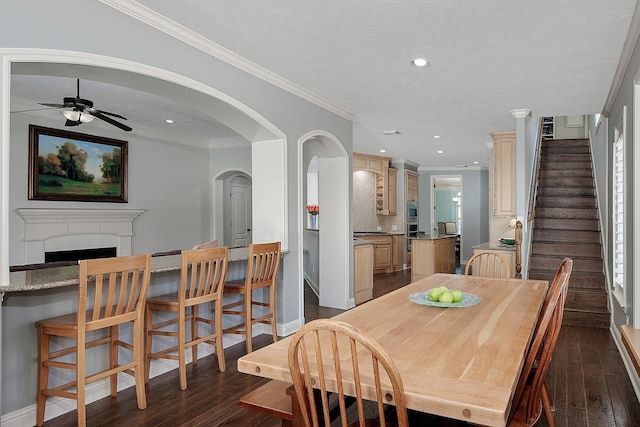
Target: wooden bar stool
x=119 y=291
x=262 y=271
x=202 y=276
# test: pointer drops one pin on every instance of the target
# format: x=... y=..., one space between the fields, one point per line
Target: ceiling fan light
x=86 y=118
x=74 y=116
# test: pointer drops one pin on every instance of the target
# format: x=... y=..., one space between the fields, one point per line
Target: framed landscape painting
x=72 y=166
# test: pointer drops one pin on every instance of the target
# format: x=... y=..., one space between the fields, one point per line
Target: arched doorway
x=331 y=167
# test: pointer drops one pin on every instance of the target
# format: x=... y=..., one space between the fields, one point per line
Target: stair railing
x=531 y=215
x=533 y=191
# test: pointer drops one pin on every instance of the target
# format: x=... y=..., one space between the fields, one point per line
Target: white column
x=522 y=205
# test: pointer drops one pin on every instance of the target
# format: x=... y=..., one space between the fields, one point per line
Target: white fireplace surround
x=50 y=230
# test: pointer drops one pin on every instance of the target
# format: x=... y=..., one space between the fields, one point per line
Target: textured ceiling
x=487 y=58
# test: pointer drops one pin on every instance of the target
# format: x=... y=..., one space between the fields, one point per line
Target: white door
x=240 y=212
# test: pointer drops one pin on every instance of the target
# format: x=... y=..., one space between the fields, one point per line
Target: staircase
x=566 y=225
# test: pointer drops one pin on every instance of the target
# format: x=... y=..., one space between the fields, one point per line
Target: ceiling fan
x=82 y=111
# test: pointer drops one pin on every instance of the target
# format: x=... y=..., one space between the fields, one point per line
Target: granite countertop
x=430 y=237
x=377 y=233
x=54 y=277
x=496 y=246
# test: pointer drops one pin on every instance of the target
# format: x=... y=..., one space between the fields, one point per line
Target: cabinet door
x=392 y=191
x=412 y=186
x=504 y=189
x=363 y=273
x=382 y=256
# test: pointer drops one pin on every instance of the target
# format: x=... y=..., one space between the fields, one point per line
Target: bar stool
x=202 y=276
x=262 y=271
x=119 y=290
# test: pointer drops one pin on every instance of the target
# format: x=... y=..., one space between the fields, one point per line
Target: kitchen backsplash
x=364 y=206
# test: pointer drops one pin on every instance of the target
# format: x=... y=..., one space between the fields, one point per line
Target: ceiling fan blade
x=93 y=111
x=109 y=120
x=52 y=105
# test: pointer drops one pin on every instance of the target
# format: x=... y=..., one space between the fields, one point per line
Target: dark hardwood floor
x=588 y=381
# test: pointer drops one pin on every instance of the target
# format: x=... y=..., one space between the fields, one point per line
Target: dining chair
x=442 y=229
x=488 y=264
x=327 y=355
x=202 y=275
x=262 y=272
x=116 y=296
x=531 y=397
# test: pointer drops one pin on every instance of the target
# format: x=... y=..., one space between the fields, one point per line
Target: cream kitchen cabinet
x=386 y=180
x=504 y=175
x=411 y=186
x=363 y=272
x=430 y=256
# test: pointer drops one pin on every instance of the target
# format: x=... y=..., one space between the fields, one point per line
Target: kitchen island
x=432 y=254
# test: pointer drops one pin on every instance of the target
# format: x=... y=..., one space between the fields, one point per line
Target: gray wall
x=475 y=205
x=623 y=98
x=36 y=24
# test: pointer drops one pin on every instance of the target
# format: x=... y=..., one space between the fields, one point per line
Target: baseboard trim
x=628 y=363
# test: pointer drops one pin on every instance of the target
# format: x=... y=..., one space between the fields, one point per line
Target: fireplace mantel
x=67 y=229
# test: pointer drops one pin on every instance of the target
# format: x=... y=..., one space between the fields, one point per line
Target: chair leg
x=148 y=344
x=222 y=364
x=113 y=359
x=139 y=356
x=182 y=368
x=546 y=404
x=248 y=319
x=194 y=334
x=272 y=308
x=81 y=381
x=43 y=375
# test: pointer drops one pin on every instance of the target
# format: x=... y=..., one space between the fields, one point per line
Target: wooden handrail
x=533 y=193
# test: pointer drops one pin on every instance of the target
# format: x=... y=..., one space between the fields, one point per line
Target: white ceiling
x=487 y=58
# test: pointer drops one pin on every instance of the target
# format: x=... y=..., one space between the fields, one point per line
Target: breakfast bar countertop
x=494 y=246
x=54 y=277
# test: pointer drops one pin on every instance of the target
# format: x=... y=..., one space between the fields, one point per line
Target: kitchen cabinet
x=411 y=186
x=385 y=191
x=387 y=251
x=363 y=272
x=504 y=173
x=392 y=191
x=430 y=256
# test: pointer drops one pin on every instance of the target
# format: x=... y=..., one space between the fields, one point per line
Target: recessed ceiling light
x=391 y=132
x=436 y=136
x=169 y=121
x=439 y=151
x=383 y=151
x=475 y=163
x=420 y=62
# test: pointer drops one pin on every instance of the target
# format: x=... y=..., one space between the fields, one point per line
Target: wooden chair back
x=332 y=356
x=262 y=265
x=202 y=274
x=527 y=400
x=442 y=229
x=120 y=291
x=488 y=264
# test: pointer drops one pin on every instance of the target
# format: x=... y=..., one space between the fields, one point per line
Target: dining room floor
x=589 y=384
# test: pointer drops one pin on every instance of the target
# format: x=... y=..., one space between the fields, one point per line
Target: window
x=619 y=215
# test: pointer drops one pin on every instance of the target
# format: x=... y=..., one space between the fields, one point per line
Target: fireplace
x=65 y=230
x=78 y=254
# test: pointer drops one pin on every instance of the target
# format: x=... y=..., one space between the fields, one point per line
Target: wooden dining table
x=456 y=362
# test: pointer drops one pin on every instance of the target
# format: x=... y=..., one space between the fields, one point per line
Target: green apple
x=457 y=295
x=446 y=297
x=443 y=288
x=434 y=294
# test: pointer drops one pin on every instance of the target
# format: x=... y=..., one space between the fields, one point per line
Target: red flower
x=313 y=209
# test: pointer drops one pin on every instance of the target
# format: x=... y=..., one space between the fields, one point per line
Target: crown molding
x=173 y=29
